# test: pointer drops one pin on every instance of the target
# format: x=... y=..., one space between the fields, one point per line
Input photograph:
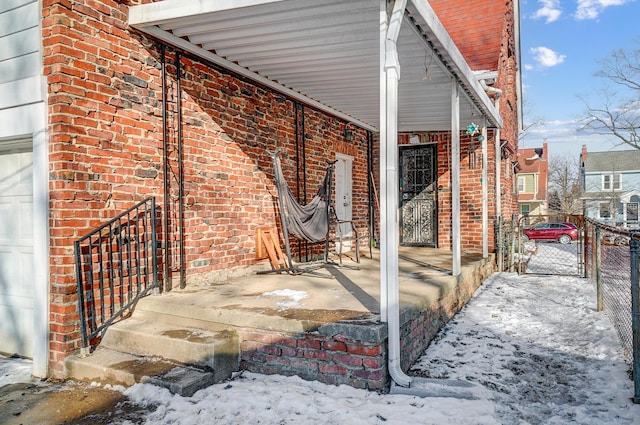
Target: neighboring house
x=611 y=186
x=533 y=181
x=108 y=102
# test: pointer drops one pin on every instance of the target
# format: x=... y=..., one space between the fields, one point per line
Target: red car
x=561 y=232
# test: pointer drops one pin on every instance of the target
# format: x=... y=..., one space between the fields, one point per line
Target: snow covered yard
x=535 y=345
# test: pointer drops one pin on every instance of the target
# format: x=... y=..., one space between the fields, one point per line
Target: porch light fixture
x=349 y=135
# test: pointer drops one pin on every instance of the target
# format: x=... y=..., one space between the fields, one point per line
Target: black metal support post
x=183 y=275
x=167 y=266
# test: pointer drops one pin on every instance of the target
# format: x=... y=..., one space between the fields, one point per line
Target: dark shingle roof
x=613 y=161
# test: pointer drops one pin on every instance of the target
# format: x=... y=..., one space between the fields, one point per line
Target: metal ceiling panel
x=327 y=51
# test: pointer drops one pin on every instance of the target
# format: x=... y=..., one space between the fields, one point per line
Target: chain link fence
x=607 y=256
x=550 y=253
x=611 y=258
x=506 y=234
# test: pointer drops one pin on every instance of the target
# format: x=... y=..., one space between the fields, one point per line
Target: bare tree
x=618 y=113
x=564 y=185
x=531 y=123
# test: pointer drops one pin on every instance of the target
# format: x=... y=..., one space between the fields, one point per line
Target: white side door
x=343 y=194
x=16 y=252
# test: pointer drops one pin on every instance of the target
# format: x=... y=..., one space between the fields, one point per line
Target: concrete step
x=218 y=351
x=123 y=368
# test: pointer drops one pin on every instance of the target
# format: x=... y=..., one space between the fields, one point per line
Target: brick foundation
x=356 y=354
x=350 y=354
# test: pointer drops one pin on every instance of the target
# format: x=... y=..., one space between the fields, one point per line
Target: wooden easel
x=269 y=244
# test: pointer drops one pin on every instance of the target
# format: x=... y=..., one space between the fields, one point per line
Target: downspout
x=389 y=187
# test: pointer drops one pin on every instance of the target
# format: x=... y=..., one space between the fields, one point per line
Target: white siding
x=20 y=58
x=23 y=118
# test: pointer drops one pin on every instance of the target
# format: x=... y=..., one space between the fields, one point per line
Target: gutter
x=483 y=76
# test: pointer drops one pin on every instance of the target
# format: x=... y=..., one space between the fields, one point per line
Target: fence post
x=634 y=244
x=500 y=247
x=598 y=248
x=512 y=248
x=585 y=241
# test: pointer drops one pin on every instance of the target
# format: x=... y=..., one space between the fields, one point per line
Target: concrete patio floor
x=341 y=293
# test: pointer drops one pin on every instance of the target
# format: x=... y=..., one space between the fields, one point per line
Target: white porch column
x=383 y=165
x=455 y=177
x=485 y=194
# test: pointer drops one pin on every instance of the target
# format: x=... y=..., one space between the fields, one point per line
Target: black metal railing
x=116 y=265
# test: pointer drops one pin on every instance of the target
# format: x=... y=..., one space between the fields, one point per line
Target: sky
x=527 y=349
x=561 y=45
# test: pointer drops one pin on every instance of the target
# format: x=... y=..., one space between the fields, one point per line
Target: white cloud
x=550 y=10
x=546 y=57
x=591 y=9
x=566 y=138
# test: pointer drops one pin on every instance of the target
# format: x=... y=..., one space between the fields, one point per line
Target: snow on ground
x=554 y=258
x=536 y=345
x=289 y=298
x=14 y=370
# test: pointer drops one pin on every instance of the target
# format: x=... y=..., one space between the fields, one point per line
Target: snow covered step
x=123 y=368
x=216 y=350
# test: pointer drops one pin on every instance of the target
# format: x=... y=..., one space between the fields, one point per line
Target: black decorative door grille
x=418 y=195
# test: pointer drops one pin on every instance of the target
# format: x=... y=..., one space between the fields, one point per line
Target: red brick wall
x=507 y=82
x=472 y=26
x=333 y=359
x=483 y=30
x=106 y=149
x=470 y=189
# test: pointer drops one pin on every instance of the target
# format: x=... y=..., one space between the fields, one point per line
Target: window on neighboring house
x=604 y=210
x=527 y=183
x=525 y=209
x=632 y=211
x=611 y=182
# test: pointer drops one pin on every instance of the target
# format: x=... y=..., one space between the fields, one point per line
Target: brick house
x=610 y=183
x=108 y=102
x=533 y=181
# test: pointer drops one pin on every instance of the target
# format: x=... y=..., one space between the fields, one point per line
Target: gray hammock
x=309 y=222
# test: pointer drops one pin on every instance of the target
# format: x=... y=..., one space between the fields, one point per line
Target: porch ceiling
x=327 y=53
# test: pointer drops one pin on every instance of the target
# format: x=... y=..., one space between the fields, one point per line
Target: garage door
x=16 y=252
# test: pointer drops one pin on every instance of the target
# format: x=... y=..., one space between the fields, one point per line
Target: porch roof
x=327 y=53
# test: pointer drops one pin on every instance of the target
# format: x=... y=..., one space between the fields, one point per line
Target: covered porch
x=386 y=67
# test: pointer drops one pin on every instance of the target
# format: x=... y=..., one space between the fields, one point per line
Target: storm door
x=418 y=195
x=343 y=197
